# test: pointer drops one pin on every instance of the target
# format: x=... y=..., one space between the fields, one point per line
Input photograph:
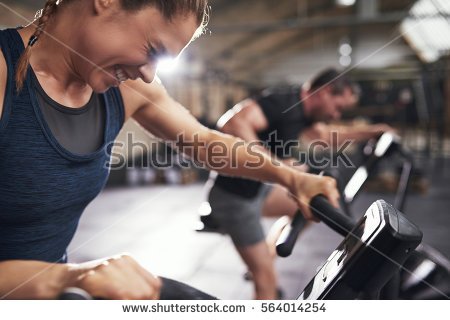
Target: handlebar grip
x=332 y=217
x=170 y=290
x=74 y=294
x=286 y=241
x=174 y=290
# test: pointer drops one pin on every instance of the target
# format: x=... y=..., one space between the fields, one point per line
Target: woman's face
x=115 y=45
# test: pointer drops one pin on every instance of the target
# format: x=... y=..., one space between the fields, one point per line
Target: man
x=274 y=120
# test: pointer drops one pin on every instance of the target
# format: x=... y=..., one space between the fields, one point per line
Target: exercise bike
x=170 y=290
x=373 y=250
x=425 y=272
x=429 y=268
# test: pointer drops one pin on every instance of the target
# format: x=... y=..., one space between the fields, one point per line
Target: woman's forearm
x=232 y=156
x=24 y=279
x=235 y=157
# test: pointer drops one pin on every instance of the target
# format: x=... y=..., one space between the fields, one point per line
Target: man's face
x=350 y=99
x=330 y=106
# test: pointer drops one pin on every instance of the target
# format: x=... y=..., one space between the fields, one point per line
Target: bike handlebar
x=170 y=290
x=323 y=210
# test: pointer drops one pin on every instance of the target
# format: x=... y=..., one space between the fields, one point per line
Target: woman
x=92 y=66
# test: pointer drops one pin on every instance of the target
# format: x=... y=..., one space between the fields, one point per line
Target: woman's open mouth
x=120 y=74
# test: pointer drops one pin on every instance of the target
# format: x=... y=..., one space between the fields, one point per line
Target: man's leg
x=278 y=204
x=260 y=263
x=241 y=219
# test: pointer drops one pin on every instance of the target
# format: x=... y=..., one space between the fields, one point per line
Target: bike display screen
x=356 y=240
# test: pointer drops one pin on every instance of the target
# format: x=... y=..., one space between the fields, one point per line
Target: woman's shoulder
x=137 y=93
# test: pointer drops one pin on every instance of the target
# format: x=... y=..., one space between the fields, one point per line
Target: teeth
x=120 y=75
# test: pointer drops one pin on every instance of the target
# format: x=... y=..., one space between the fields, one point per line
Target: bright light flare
x=345 y=3
x=168 y=65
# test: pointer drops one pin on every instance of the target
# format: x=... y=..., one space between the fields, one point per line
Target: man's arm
x=245 y=121
x=167 y=119
x=324 y=132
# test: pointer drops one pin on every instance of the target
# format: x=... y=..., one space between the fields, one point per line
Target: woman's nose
x=147 y=72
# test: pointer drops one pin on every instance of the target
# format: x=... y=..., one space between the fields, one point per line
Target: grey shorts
x=239 y=217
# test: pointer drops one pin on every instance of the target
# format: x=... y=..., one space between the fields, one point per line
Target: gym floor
x=156 y=224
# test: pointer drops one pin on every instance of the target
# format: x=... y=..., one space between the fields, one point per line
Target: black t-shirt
x=284 y=112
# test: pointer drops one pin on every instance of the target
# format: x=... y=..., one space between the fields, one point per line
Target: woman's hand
x=305 y=186
x=118 y=278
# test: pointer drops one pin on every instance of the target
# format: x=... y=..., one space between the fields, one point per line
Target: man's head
x=328 y=94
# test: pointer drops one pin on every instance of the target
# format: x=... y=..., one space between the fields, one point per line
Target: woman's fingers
x=306 y=211
x=331 y=192
x=312 y=186
x=120 y=277
x=154 y=283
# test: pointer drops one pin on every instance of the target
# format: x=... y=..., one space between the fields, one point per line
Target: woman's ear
x=101 y=6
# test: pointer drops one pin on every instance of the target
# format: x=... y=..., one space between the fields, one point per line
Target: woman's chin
x=102 y=86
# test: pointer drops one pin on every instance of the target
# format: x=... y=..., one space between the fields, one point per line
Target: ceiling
x=270 y=41
x=265 y=41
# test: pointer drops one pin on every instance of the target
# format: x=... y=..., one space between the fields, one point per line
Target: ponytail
x=42 y=17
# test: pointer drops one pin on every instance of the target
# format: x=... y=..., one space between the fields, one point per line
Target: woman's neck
x=52 y=63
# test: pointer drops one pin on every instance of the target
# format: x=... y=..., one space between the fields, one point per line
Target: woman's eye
x=152 y=53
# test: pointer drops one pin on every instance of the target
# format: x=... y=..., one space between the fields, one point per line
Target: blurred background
x=395 y=50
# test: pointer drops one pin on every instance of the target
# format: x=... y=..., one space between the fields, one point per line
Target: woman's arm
x=167 y=119
x=3 y=79
x=119 y=277
x=23 y=279
x=245 y=120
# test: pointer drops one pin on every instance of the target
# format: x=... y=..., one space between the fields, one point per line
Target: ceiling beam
x=252 y=38
x=316 y=23
x=262 y=61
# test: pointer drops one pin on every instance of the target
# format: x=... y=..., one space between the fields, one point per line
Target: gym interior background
x=397 y=52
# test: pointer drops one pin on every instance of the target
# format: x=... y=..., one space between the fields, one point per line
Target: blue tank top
x=44 y=188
